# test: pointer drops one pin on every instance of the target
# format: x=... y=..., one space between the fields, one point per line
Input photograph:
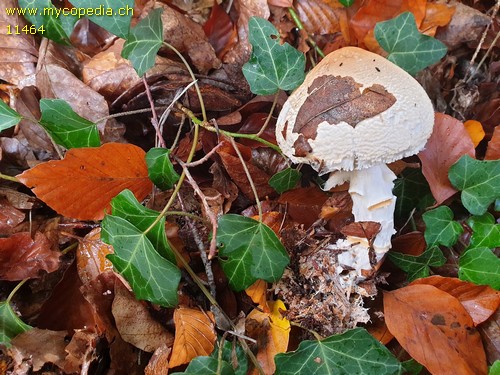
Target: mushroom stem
x=371 y=193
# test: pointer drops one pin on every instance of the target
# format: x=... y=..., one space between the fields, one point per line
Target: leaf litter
x=136 y=291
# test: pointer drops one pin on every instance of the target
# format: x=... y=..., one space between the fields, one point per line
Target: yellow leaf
x=475 y=130
x=280 y=327
x=257 y=292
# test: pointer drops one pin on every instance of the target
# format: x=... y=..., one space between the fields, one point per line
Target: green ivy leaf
x=151 y=276
x=353 y=352
x=412 y=367
x=126 y=206
x=50 y=18
x=486 y=232
x=207 y=366
x=160 y=168
x=479 y=182
x=407 y=47
x=440 y=229
x=495 y=368
x=109 y=16
x=234 y=354
x=285 y=180
x=418 y=266
x=8 y=117
x=480 y=266
x=272 y=66
x=66 y=127
x=10 y=324
x=346 y=3
x=412 y=191
x=144 y=41
x=249 y=250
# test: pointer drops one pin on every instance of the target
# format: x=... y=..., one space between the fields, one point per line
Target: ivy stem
x=300 y=26
x=250 y=180
x=268 y=119
x=10 y=178
x=154 y=119
x=17 y=287
x=128 y=113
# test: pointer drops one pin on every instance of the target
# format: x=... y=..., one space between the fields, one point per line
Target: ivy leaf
x=10 y=324
x=346 y=3
x=480 y=266
x=160 y=168
x=249 y=250
x=50 y=18
x=353 y=352
x=440 y=229
x=151 y=276
x=234 y=354
x=479 y=182
x=113 y=15
x=272 y=66
x=418 y=266
x=412 y=191
x=486 y=232
x=407 y=47
x=207 y=366
x=144 y=41
x=8 y=117
x=66 y=127
x=285 y=180
x=126 y=206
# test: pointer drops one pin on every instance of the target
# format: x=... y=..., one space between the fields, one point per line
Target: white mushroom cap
x=394 y=117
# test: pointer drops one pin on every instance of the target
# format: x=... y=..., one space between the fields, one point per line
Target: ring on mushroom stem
x=355 y=112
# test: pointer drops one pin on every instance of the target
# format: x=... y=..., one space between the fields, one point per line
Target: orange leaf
x=194 y=335
x=493 y=151
x=257 y=292
x=475 y=130
x=480 y=301
x=448 y=142
x=82 y=185
x=435 y=329
x=436 y=15
x=91 y=256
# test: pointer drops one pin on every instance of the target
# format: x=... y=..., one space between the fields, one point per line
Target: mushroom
x=355 y=112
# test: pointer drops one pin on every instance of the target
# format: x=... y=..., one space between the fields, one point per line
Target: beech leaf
x=353 y=352
x=82 y=185
x=10 y=324
x=249 y=250
x=115 y=17
x=160 y=168
x=151 y=276
x=440 y=229
x=272 y=66
x=407 y=47
x=144 y=41
x=480 y=266
x=8 y=117
x=285 y=180
x=486 y=232
x=435 y=329
x=126 y=206
x=418 y=266
x=66 y=127
x=479 y=182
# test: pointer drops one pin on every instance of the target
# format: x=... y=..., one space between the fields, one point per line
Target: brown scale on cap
x=335 y=99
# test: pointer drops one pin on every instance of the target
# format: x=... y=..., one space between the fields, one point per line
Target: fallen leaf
x=81 y=352
x=435 y=329
x=493 y=150
x=135 y=324
x=448 y=142
x=475 y=130
x=480 y=301
x=82 y=185
x=321 y=17
x=362 y=229
x=412 y=243
x=158 y=364
x=220 y=30
x=436 y=15
x=258 y=293
x=9 y=216
x=194 y=335
x=304 y=204
x=91 y=256
x=22 y=257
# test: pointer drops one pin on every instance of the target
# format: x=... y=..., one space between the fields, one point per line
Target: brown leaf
x=158 y=364
x=22 y=257
x=362 y=229
x=81 y=352
x=9 y=216
x=19 y=51
x=194 y=335
x=448 y=142
x=135 y=324
x=490 y=332
x=220 y=30
x=493 y=150
x=82 y=185
x=304 y=204
x=323 y=17
x=91 y=256
x=36 y=347
x=480 y=301
x=435 y=329
x=412 y=243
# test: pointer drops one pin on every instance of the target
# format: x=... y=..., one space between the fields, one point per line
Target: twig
x=203 y=159
x=268 y=119
x=154 y=118
x=250 y=180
